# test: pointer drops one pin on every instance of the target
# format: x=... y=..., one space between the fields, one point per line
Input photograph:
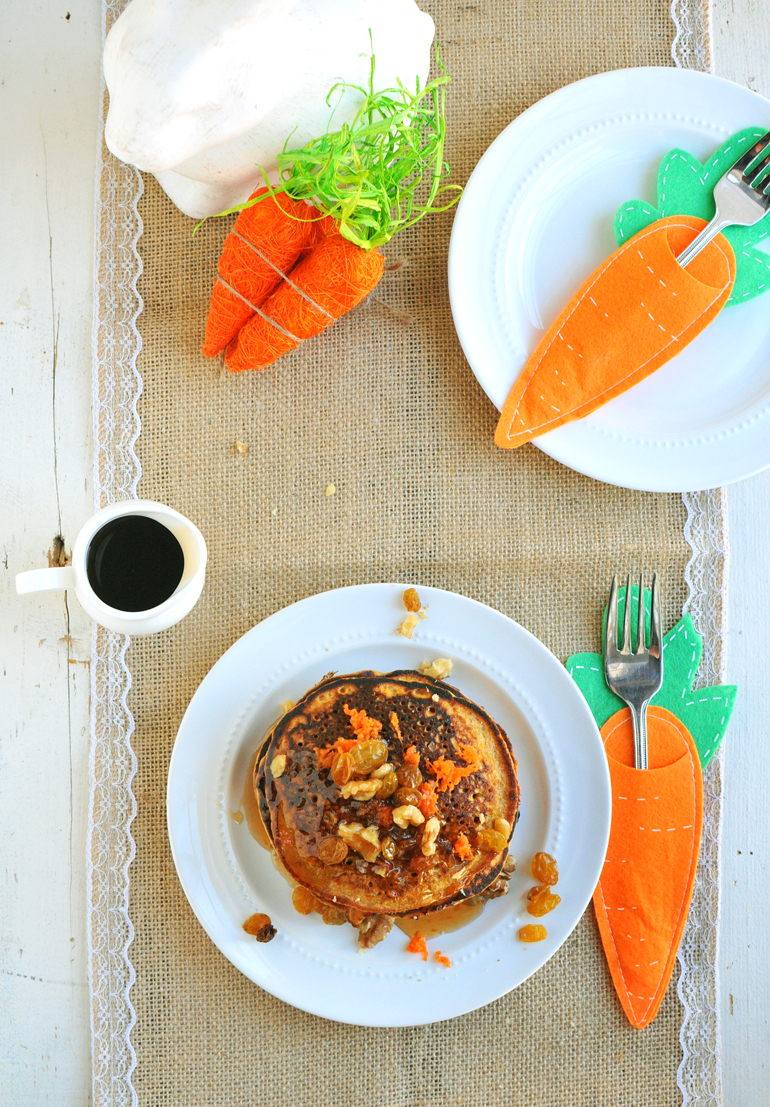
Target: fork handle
x=699 y=243
x=639 y=719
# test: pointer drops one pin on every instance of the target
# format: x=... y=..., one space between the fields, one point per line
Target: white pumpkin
x=204 y=91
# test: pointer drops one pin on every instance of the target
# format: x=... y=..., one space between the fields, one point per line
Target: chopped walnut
x=498 y=887
x=439 y=669
x=278 y=765
x=429 y=836
x=365 y=841
x=260 y=927
x=373 y=929
x=407 y=626
x=407 y=814
x=360 y=790
x=509 y=865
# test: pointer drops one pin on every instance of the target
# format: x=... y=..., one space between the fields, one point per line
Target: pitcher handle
x=44 y=580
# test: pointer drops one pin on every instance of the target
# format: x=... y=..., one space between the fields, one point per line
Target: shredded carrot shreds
x=326 y=756
x=363 y=726
x=395 y=724
x=411 y=756
x=462 y=848
x=417 y=945
x=442 y=960
x=428 y=800
x=449 y=773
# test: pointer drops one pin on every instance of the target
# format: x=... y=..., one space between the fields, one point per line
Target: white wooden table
x=49 y=85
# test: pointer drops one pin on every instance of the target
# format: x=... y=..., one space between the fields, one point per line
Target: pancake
x=458 y=752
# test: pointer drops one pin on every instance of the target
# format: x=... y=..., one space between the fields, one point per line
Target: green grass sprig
x=381 y=173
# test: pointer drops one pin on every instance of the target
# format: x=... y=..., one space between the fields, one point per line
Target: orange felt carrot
x=636 y=312
x=266 y=241
x=334 y=277
x=644 y=893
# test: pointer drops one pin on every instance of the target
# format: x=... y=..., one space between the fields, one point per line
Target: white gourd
x=204 y=91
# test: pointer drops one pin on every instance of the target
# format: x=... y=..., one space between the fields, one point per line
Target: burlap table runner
x=394 y=418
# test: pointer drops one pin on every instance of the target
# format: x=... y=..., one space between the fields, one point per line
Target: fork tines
x=751 y=171
x=611 y=629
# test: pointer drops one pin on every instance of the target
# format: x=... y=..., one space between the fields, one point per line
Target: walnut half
x=373 y=929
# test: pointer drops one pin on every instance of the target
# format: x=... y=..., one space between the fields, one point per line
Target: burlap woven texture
x=393 y=417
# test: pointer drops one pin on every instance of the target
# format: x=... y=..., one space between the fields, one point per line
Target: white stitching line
x=693 y=854
x=610 y=261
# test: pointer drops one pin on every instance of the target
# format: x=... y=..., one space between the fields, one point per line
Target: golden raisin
x=304 y=902
x=368 y=755
x=260 y=927
x=542 y=901
x=533 y=933
x=342 y=768
x=412 y=600
x=407 y=795
x=544 y=869
x=388 y=848
x=354 y=916
x=332 y=851
x=491 y=840
x=388 y=785
x=409 y=776
x=333 y=916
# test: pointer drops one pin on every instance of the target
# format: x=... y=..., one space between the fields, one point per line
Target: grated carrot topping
x=417 y=945
x=363 y=726
x=396 y=728
x=326 y=756
x=449 y=773
x=462 y=848
x=411 y=756
x=442 y=960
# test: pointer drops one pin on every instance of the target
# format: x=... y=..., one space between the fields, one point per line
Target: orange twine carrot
x=334 y=277
x=265 y=243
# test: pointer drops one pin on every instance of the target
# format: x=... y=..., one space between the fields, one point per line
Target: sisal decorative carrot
x=643 y=896
x=286 y=275
x=267 y=241
x=630 y=317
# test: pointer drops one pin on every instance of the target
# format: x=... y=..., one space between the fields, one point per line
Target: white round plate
x=565 y=804
x=537 y=218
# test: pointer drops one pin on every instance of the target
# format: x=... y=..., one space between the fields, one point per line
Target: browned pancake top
x=303 y=806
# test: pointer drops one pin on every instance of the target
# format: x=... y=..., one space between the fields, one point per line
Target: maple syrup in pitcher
x=134 y=563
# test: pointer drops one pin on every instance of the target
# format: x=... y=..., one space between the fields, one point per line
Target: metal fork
x=634 y=676
x=742 y=197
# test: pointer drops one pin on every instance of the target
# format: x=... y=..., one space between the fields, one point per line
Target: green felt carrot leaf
x=705 y=712
x=685 y=187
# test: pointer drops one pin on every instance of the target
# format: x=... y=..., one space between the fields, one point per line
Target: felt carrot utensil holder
x=633 y=314
x=643 y=896
x=304 y=252
x=641 y=308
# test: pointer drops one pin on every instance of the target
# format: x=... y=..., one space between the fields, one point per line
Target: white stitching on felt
x=610 y=261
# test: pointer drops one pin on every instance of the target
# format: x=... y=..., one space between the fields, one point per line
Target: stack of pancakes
x=450 y=846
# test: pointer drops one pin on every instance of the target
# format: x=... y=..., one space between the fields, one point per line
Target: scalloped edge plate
x=226 y=876
x=536 y=219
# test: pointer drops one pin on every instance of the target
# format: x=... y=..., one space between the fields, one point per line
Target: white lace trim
x=116 y=388
x=110 y=847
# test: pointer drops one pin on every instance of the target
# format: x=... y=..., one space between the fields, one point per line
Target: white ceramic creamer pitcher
x=149 y=621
